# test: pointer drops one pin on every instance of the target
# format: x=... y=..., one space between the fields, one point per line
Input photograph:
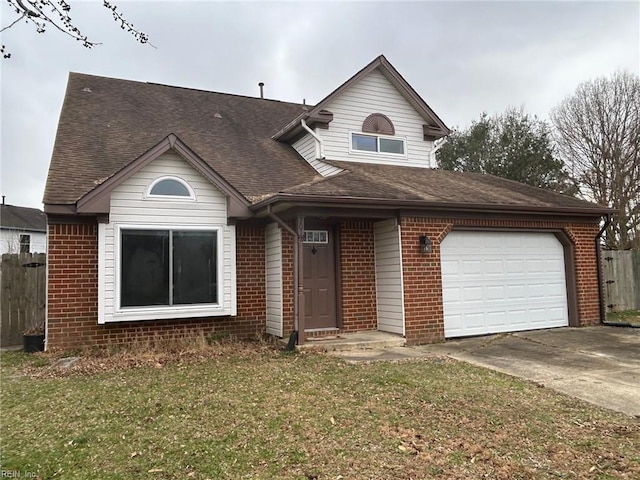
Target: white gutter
x=319 y=145
x=437 y=147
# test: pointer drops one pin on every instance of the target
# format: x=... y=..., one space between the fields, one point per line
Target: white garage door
x=502 y=282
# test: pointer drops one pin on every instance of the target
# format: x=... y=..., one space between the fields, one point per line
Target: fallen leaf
x=333 y=421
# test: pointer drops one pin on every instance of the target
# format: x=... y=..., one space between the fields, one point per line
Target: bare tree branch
x=598 y=136
x=55 y=13
x=13 y=23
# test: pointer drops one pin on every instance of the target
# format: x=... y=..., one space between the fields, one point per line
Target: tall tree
x=43 y=14
x=512 y=145
x=598 y=134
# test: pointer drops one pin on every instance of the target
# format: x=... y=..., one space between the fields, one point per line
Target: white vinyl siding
x=375 y=94
x=274 y=279
x=306 y=147
x=10 y=241
x=389 y=287
x=129 y=208
x=494 y=282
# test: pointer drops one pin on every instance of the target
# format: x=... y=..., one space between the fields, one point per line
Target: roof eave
x=97 y=201
x=363 y=202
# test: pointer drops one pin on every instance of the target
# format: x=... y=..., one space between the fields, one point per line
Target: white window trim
x=377 y=137
x=176 y=198
x=174 y=311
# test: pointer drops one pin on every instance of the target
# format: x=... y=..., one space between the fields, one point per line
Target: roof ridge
x=194 y=89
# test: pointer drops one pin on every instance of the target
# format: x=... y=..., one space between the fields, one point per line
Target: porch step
x=352 y=341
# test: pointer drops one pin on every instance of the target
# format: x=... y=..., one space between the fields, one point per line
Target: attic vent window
x=170 y=188
x=379 y=124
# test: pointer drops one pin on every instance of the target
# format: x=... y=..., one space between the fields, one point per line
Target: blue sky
x=463 y=58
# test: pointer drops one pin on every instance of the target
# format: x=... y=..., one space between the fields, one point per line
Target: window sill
x=165 y=313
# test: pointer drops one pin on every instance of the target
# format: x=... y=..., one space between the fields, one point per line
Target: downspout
x=293 y=339
x=435 y=150
x=603 y=314
x=319 y=144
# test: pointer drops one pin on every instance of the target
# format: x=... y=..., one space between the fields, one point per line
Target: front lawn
x=243 y=413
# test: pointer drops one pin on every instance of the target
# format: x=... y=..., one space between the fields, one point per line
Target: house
x=196 y=211
x=22 y=229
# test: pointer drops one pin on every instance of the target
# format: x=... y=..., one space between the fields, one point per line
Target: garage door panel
x=471 y=267
x=516 y=292
x=554 y=265
x=502 y=281
x=536 y=265
x=514 y=266
x=450 y=267
x=471 y=294
x=496 y=318
x=495 y=292
x=493 y=267
x=451 y=295
x=518 y=318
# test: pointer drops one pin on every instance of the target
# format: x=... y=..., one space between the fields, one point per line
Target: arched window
x=170 y=187
x=378 y=123
x=377 y=137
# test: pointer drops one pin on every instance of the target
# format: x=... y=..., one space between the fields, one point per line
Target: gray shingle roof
x=22 y=218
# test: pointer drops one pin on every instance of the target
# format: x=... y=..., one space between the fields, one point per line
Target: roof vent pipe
x=261 y=85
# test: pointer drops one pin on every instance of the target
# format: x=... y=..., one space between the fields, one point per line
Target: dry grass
x=236 y=410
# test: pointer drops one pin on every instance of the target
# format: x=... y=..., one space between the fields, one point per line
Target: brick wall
x=422 y=283
x=72 y=296
x=358 y=276
x=583 y=237
x=422 y=276
x=72 y=288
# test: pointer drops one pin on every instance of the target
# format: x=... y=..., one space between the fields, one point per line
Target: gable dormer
x=374 y=117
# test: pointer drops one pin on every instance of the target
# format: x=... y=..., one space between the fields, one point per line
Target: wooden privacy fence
x=22 y=295
x=621 y=271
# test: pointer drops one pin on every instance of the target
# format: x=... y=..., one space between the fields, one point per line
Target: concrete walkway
x=600 y=365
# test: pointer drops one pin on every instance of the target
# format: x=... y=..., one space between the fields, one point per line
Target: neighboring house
x=195 y=211
x=22 y=230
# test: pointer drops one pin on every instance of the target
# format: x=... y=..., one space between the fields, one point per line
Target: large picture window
x=168 y=267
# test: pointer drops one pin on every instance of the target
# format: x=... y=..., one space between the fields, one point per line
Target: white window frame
x=166 y=311
x=378 y=152
x=176 y=198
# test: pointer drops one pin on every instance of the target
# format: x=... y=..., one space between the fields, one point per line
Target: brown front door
x=319 y=278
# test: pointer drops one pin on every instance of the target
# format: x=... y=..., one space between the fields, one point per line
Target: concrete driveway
x=600 y=365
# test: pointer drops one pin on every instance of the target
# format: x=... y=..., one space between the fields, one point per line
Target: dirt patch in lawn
x=157 y=354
